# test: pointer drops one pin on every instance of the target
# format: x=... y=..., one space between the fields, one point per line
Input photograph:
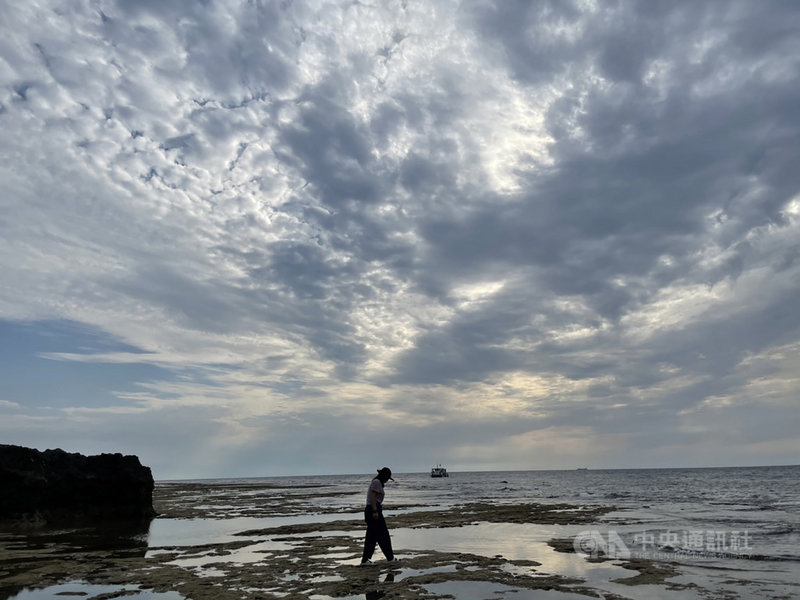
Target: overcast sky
x=263 y=238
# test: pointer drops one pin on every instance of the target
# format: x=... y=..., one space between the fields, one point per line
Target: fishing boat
x=439 y=471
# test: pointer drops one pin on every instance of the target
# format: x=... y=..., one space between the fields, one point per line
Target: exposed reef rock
x=54 y=486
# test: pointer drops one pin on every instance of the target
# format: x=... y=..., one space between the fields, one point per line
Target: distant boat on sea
x=582 y=469
x=439 y=471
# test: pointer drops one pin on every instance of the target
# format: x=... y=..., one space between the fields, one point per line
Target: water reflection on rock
x=126 y=537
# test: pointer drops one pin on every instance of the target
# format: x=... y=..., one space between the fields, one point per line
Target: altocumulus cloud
x=246 y=238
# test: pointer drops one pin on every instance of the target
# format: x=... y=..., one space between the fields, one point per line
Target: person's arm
x=373 y=500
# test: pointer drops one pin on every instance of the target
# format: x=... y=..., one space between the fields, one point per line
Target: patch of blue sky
x=34 y=376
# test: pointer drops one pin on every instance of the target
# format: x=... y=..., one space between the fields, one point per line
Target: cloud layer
x=320 y=237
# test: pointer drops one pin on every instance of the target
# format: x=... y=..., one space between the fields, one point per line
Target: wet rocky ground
x=295 y=559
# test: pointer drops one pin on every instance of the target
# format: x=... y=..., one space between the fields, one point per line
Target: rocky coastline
x=54 y=486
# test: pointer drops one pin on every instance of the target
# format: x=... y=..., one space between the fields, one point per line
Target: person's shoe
x=394 y=559
x=366 y=563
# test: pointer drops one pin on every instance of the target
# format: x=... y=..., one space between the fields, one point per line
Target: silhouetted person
x=377 y=531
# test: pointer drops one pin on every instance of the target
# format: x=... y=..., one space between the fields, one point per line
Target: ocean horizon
x=452 y=471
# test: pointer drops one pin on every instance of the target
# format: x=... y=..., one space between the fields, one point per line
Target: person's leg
x=383 y=538
x=370 y=538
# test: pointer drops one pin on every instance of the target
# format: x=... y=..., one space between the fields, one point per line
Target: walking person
x=377 y=531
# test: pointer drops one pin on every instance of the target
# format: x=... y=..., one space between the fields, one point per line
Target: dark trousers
x=377 y=533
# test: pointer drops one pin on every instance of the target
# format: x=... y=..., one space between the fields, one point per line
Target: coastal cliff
x=55 y=485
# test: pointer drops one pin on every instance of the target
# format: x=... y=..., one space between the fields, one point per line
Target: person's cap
x=386 y=471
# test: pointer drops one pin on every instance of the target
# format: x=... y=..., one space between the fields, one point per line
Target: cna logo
x=591 y=543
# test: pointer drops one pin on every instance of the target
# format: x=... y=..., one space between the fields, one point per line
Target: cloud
x=347 y=226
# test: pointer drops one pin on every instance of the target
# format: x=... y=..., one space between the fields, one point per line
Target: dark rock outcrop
x=55 y=486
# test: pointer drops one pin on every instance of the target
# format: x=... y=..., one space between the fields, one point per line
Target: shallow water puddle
x=199 y=532
x=286 y=577
x=254 y=553
x=528 y=542
x=333 y=555
x=406 y=573
x=511 y=541
x=324 y=578
x=89 y=591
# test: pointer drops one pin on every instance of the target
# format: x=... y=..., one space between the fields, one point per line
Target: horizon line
x=184 y=479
